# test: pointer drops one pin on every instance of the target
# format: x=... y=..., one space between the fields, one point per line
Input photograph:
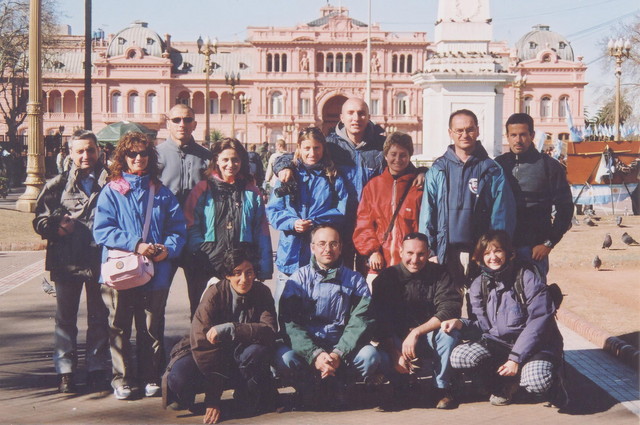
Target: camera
x=287 y=188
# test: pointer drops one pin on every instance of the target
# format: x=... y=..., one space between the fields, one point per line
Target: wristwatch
x=548 y=243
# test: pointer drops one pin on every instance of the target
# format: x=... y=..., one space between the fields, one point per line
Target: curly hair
x=126 y=143
x=314 y=133
x=229 y=143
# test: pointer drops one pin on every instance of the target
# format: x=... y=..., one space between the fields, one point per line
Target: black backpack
x=554 y=290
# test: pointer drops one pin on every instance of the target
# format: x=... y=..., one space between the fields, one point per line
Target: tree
x=607 y=113
x=14 y=58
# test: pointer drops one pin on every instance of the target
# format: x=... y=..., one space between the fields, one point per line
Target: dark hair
x=398 y=138
x=463 y=112
x=493 y=237
x=236 y=256
x=314 y=133
x=520 y=118
x=416 y=235
x=126 y=143
x=229 y=143
x=326 y=226
x=83 y=134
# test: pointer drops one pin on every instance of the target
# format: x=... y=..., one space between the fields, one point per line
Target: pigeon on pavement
x=607 y=241
x=626 y=238
x=619 y=221
x=597 y=262
x=48 y=288
x=589 y=222
x=575 y=221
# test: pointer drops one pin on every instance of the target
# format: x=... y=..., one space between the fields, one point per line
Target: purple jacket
x=531 y=329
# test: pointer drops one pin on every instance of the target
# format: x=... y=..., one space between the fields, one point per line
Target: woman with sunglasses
x=222 y=211
x=119 y=221
x=316 y=195
x=389 y=207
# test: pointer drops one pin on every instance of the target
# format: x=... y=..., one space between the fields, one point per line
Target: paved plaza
x=602 y=389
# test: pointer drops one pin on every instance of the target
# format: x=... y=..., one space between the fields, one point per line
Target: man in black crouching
x=231 y=344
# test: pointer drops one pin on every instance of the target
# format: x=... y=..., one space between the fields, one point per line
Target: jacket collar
x=328 y=275
x=478 y=154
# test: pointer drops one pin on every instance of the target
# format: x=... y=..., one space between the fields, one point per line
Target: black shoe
x=66 y=385
x=558 y=394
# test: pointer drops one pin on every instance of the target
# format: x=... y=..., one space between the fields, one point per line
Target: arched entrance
x=331 y=113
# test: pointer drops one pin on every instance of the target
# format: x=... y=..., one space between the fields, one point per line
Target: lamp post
x=207 y=48
x=35 y=142
x=519 y=83
x=620 y=50
x=246 y=107
x=233 y=80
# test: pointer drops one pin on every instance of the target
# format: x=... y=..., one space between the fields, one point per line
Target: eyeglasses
x=323 y=244
x=186 y=120
x=134 y=154
x=462 y=131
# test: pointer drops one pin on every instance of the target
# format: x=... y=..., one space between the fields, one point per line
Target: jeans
x=436 y=345
x=526 y=252
x=146 y=310
x=66 y=331
x=292 y=366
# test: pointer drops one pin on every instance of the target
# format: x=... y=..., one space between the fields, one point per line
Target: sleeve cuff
x=226 y=331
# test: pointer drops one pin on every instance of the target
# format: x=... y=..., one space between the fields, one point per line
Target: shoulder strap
x=518 y=286
x=395 y=213
x=147 y=217
x=484 y=289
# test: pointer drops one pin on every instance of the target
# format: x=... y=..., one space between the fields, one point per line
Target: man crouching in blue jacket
x=326 y=312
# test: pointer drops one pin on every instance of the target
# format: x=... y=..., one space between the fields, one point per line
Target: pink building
x=295 y=77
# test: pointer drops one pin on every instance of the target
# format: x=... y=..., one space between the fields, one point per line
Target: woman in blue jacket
x=515 y=341
x=119 y=220
x=316 y=195
x=222 y=211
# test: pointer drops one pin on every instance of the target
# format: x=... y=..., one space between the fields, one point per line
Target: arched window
x=563 y=136
x=358 y=62
x=545 y=107
x=151 y=106
x=284 y=63
x=133 y=106
x=55 y=102
x=528 y=101
x=394 y=63
x=348 y=63
x=277 y=103
x=116 y=102
x=276 y=62
x=339 y=62
x=563 y=105
x=329 y=64
x=183 y=99
x=214 y=103
x=269 y=62
x=409 y=63
x=319 y=62
x=402 y=104
x=401 y=68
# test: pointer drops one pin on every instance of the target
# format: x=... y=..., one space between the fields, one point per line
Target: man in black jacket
x=64 y=217
x=410 y=300
x=539 y=185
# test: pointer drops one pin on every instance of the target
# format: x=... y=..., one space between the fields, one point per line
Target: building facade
x=294 y=77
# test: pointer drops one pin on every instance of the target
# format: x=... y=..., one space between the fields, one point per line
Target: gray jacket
x=75 y=256
x=182 y=167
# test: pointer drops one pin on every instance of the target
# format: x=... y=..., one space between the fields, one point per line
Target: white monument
x=462 y=73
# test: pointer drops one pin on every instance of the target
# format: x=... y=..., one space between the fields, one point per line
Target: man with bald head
x=355 y=146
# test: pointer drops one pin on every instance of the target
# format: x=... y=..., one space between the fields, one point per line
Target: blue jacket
x=254 y=228
x=531 y=328
x=315 y=200
x=326 y=313
x=494 y=205
x=119 y=220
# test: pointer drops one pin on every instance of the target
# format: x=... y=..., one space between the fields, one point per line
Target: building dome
x=539 y=38
x=136 y=35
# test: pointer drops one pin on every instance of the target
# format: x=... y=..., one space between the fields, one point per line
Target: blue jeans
x=291 y=365
x=436 y=345
x=526 y=252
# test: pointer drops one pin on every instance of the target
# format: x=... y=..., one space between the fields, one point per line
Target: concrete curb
x=23 y=246
x=613 y=345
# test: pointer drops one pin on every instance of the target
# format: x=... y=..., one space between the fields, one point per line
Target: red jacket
x=376 y=208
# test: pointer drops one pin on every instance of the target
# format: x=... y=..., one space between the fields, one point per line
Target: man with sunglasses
x=466 y=193
x=181 y=161
x=410 y=300
x=64 y=217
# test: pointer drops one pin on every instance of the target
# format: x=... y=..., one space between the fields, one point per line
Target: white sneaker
x=123 y=392
x=151 y=389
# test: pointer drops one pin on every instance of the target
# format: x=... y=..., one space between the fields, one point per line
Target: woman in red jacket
x=375 y=236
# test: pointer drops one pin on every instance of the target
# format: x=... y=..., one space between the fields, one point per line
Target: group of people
x=373 y=258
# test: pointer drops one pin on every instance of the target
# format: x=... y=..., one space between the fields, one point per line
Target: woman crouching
x=517 y=342
x=232 y=336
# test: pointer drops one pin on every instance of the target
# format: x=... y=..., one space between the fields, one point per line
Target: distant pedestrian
x=255 y=165
x=64 y=217
x=270 y=177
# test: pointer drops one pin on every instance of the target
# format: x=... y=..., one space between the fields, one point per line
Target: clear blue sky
x=584 y=22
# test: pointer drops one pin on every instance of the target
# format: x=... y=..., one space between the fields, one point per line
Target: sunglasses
x=134 y=154
x=186 y=120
